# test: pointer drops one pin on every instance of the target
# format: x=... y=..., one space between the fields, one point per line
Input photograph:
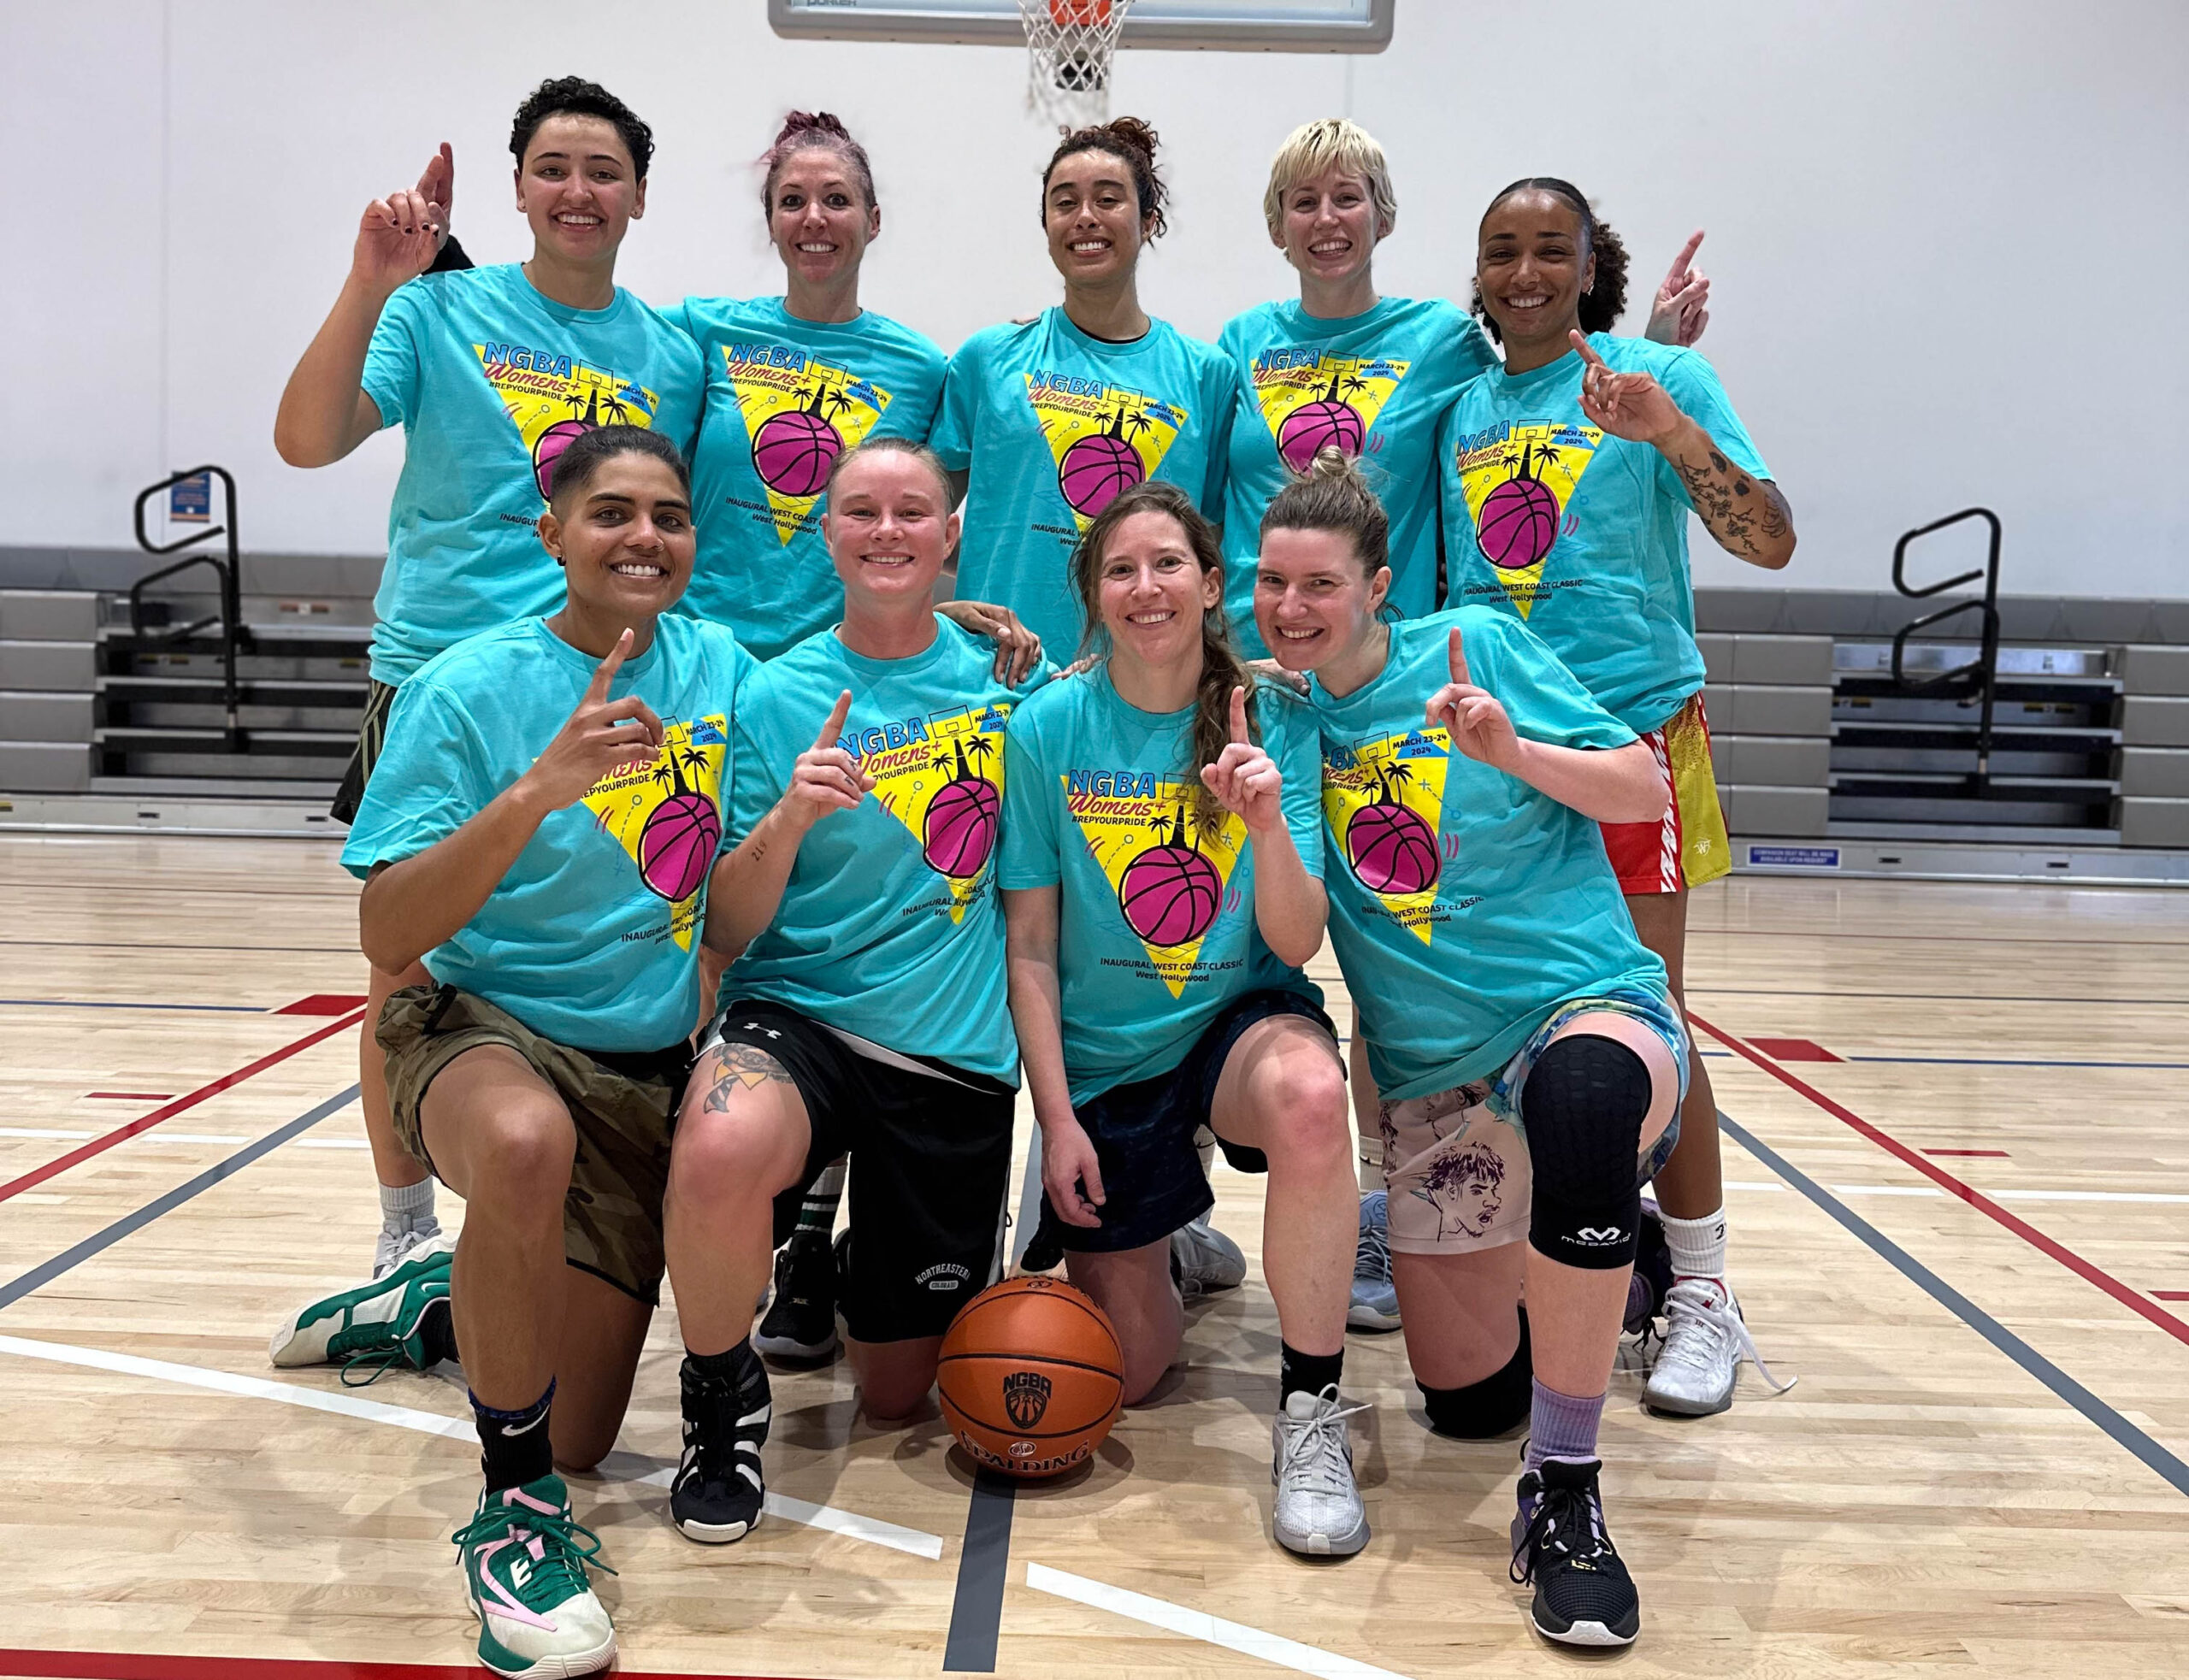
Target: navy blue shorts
x=1143 y=1136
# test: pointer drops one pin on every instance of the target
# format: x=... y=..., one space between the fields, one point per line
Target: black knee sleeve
x=1482 y=1411
x=1583 y=1106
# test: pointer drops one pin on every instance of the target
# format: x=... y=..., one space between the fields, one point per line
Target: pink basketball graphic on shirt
x=794 y=450
x=676 y=847
x=549 y=449
x=1328 y=421
x=1392 y=849
x=1519 y=520
x=1170 y=893
x=1102 y=466
x=961 y=818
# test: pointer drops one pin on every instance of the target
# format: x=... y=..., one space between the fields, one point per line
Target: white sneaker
x=1317 y=1509
x=524 y=1572
x=1205 y=1260
x=1705 y=1341
x=391 y=1248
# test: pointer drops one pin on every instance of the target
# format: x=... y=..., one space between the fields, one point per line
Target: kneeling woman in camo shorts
x=541 y=831
x=1529 y=1056
x=867 y=1011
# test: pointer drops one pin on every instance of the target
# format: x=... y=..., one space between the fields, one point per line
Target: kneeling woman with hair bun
x=542 y=833
x=1525 y=1045
x=866 y=1011
x=1161 y=857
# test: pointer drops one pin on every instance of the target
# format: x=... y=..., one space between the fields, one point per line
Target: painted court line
x=2154 y=1456
x=983 y=1564
x=43 y=1273
x=180 y=1104
x=185 y=1137
x=1155 y=1613
x=131 y=1665
x=846 y=1523
x=2160 y=1197
x=1945 y=1181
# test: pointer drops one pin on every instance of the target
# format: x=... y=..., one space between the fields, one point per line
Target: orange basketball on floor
x=1031 y=1378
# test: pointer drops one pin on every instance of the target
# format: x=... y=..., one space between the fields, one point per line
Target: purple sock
x=1563 y=1426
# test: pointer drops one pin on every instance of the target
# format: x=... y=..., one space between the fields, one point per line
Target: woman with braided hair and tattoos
x=1568 y=476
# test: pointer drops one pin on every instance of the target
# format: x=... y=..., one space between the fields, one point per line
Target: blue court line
x=39 y=1276
x=83 y=1003
x=2114 y=1425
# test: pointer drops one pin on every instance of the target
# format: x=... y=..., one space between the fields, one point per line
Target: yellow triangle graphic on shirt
x=944 y=782
x=1104 y=442
x=1518 y=486
x=1169 y=872
x=552 y=400
x=1334 y=399
x=799 y=415
x=1384 y=801
x=665 y=811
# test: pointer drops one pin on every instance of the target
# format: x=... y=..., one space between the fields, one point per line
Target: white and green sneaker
x=524 y=1565
x=376 y=1325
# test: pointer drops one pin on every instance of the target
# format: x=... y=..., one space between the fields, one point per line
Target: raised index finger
x=1457 y=649
x=1239 y=735
x=833 y=730
x=1588 y=351
x=604 y=673
x=1676 y=275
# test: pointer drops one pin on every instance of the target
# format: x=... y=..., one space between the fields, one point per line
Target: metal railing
x=1979 y=678
x=229 y=571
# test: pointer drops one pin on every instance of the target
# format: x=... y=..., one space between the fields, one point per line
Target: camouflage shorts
x=623 y=1106
x=1455 y=1162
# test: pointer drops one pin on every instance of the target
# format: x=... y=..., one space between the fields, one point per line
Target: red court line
x=133 y=1096
x=1988 y=1154
x=123 y=1133
x=129 y=1665
x=2172 y=1294
x=1953 y=1186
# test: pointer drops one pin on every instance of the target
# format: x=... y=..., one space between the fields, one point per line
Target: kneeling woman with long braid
x=1525 y=1045
x=1160 y=864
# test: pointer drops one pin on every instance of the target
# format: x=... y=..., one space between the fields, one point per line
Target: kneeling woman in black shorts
x=867 y=1011
x=541 y=830
x=1161 y=874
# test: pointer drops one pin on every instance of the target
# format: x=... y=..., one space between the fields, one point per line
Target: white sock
x=1697 y=1246
x=408 y=1207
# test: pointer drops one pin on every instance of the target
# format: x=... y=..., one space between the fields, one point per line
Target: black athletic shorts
x=930 y=1165
x=372 y=736
x=1143 y=1136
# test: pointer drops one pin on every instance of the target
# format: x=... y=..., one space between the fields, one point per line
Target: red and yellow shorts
x=1687 y=846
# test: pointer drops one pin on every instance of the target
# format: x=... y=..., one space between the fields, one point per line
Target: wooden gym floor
x=1959 y=1188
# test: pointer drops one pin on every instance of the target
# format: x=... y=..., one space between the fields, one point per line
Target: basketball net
x=1069 y=45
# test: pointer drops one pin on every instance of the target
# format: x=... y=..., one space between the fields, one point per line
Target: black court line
x=2122 y=1431
x=39 y=1276
x=976 y=1611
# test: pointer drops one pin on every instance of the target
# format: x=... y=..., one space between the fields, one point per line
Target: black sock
x=1312 y=1371
x=514 y=1446
x=737 y=1367
x=437 y=1335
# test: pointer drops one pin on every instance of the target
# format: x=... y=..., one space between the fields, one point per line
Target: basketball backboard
x=1219 y=26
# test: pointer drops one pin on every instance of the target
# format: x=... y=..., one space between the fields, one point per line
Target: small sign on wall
x=190 y=500
x=1793 y=856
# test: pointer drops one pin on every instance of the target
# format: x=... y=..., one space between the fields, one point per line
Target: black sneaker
x=718 y=1494
x=1045 y=1252
x=1583 y=1594
x=801 y=1321
x=1652 y=1281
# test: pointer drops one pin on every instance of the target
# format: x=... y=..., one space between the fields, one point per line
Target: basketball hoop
x=1069 y=44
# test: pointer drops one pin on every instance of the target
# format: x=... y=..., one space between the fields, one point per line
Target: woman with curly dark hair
x=1568 y=476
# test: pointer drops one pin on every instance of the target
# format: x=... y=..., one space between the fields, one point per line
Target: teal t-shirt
x=1464 y=905
x=1050 y=425
x=1582 y=535
x=1375 y=384
x=1156 y=930
x=785 y=398
x=490 y=381
x=591 y=938
x=889 y=927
